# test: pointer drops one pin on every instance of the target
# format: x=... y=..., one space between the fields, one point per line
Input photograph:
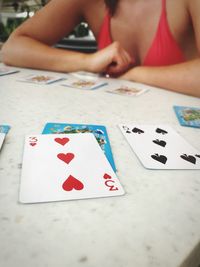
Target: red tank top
x=164 y=49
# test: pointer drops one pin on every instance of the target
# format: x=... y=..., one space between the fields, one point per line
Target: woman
x=156 y=42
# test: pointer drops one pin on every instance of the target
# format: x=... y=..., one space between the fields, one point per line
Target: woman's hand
x=112 y=60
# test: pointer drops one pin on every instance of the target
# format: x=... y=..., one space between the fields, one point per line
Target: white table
x=157 y=222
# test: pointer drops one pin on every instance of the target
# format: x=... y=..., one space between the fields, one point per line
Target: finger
x=130 y=61
x=121 y=62
x=118 y=67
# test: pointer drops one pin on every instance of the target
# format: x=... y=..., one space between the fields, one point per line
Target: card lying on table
x=127 y=91
x=7 y=70
x=188 y=116
x=160 y=147
x=99 y=132
x=85 y=84
x=3 y=131
x=65 y=167
x=2 y=137
x=41 y=79
x=4 y=128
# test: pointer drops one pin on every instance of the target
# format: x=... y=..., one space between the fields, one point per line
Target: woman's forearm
x=182 y=78
x=26 y=52
x=23 y=51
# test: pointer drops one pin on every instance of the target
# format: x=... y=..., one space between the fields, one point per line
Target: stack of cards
x=41 y=79
x=3 y=131
x=188 y=116
x=65 y=167
x=99 y=132
x=160 y=147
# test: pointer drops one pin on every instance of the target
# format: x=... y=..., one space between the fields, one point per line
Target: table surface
x=156 y=223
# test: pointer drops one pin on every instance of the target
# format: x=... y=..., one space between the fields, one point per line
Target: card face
x=3 y=131
x=127 y=91
x=65 y=167
x=41 y=79
x=2 y=137
x=85 y=83
x=99 y=132
x=7 y=70
x=160 y=147
x=188 y=116
x=4 y=128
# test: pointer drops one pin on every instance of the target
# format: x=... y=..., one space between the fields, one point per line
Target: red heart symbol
x=72 y=183
x=107 y=176
x=62 y=141
x=32 y=144
x=66 y=157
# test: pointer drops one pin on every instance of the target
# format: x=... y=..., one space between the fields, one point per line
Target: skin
x=30 y=45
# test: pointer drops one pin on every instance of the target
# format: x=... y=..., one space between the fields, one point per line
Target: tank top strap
x=163 y=15
x=164 y=6
x=104 y=37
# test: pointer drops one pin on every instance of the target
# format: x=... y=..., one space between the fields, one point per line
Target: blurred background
x=14 y=12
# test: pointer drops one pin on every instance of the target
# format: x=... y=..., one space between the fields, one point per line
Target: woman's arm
x=184 y=77
x=30 y=45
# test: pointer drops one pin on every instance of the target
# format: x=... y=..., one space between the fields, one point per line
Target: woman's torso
x=135 y=24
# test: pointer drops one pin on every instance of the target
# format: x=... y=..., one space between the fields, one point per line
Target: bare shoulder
x=94 y=12
x=56 y=19
x=78 y=6
x=93 y=7
x=82 y=6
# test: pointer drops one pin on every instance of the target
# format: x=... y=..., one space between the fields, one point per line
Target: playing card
x=85 y=83
x=127 y=90
x=84 y=74
x=3 y=131
x=160 y=147
x=41 y=78
x=4 y=128
x=7 y=70
x=99 y=132
x=188 y=116
x=65 y=167
x=2 y=137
